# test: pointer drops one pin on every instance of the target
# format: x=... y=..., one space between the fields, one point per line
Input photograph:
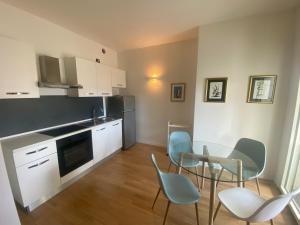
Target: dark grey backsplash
x=23 y=115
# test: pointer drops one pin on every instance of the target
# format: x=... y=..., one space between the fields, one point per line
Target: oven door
x=74 y=151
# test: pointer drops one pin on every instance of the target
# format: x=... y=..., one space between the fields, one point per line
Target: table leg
x=213 y=184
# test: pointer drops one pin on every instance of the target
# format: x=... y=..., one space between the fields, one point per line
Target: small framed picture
x=177 y=92
x=261 y=89
x=215 y=89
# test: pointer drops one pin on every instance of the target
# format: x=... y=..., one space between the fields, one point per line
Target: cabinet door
x=86 y=76
x=104 y=80
x=100 y=136
x=18 y=73
x=118 y=78
x=115 y=136
x=38 y=179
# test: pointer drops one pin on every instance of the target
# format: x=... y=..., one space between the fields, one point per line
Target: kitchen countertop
x=36 y=137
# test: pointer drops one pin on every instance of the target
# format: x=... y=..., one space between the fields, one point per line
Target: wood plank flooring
x=121 y=191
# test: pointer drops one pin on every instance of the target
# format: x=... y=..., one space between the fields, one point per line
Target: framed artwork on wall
x=177 y=92
x=215 y=89
x=261 y=89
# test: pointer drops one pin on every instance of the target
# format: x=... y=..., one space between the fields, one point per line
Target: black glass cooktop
x=62 y=130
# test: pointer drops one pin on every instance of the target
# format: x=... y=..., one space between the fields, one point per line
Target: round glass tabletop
x=218 y=162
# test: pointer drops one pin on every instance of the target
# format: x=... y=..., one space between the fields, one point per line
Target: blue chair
x=180 y=141
x=252 y=149
x=177 y=188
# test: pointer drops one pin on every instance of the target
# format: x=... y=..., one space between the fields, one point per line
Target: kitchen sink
x=95 y=122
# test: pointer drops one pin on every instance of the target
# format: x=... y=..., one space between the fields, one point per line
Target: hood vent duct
x=50 y=74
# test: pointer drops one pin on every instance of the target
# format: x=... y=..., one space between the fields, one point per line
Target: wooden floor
x=121 y=191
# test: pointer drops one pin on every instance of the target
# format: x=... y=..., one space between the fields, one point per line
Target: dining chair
x=177 y=188
x=180 y=141
x=248 y=206
x=255 y=150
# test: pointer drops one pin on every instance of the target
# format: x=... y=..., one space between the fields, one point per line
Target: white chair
x=248 y=206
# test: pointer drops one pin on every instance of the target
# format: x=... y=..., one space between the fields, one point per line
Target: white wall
x=8 y=211
x=50 y=39
x=172 y=63
x=290 y=122
x=260 y=45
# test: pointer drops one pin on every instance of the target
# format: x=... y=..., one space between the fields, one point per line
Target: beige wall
x=237 y=49
x=292 y=110
x=174 y=62
x=50 y=39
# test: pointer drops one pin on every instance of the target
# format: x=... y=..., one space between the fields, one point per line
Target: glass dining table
x=214 y=159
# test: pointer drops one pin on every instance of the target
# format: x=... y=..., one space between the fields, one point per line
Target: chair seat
x=240 y=202
x=247 y=173
x=179 y=189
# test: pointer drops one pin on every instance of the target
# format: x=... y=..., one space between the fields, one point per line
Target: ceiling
x=126 y=24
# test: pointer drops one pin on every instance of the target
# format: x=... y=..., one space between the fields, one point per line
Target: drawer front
x=38 y=178
x=34 y=152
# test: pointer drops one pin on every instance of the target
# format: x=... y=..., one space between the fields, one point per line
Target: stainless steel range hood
x=50 y=74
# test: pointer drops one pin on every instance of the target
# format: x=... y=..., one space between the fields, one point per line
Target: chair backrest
x=160 y=175
x=273 y=207
x=255 y=150
x=180 y=141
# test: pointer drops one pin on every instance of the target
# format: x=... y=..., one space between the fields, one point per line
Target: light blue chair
x=180 y=141
x=177 y=188
x=254 y=150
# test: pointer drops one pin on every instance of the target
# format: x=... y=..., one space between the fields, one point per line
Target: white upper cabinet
x=118 y=78
x=83 y=72
x=18 y=73
x=104 y=80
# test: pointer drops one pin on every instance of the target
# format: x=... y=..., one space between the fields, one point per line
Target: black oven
x=74 y=151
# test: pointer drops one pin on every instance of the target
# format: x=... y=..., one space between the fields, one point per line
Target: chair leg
x=272 y=222
x=197 y=178
x=156 y=197
x=197 y=213
x=203 y=173
x=169 y=167
x=248 y=223
x=217 y=210
x=257 y=185
x=166 y=214
x=220 y=174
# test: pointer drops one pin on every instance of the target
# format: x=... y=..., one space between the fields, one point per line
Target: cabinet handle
x=41 y=163
x=104 y=93
x=91 y=93
x=17 y=93
x=42 y=149
x=101 y=129
x=35 y=165
x=29 y=153
x=116 y=124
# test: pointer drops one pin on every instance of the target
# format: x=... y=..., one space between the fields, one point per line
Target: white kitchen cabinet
x=82 y=72
x=114 y=136
x=118 y=78
x=104 y=80
x=100 y=143
x=107 y=138
x=38 y=178
x=32 y=176
x=18 y=74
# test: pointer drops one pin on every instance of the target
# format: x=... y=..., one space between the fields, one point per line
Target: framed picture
x=261 y=89
x=177 y=92
x=215 y=89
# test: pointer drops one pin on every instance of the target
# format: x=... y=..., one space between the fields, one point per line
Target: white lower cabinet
x=33 y=172
x=107 y=139
x=38 y=178
x=115 y=136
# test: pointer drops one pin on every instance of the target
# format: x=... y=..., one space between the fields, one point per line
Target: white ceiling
x=125 y=24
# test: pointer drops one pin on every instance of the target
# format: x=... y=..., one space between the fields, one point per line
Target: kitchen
x=52 y=141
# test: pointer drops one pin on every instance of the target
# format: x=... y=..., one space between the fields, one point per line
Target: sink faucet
x=94 y=114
